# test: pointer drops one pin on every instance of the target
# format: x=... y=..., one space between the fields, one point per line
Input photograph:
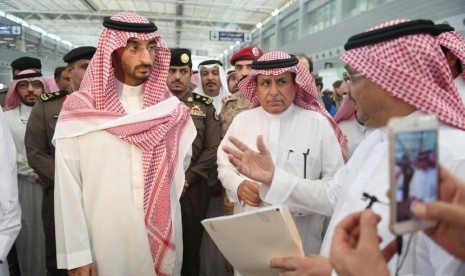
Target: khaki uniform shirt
x=232 y=105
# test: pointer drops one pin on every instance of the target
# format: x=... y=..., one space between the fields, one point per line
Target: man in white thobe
x=22 y=94
x=122 y=142
x=372 y=57
x=302 y=142
x=10 y=212
x=213 y=83
x=423 y=185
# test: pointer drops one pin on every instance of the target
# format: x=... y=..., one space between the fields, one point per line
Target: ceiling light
x=225 y=52
x=275 y=12
x=231 y=47
x=259 y=25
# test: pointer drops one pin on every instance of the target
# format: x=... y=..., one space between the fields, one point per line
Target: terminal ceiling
x=180 y=23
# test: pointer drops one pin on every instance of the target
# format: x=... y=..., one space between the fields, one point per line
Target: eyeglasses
x=136 y=49
x=348 y=77
x=25 y=84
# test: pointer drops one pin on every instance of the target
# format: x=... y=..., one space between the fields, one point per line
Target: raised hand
x=258 y=166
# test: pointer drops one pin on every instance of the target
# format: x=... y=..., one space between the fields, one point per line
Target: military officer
x=236 y=103
x=194 y=202
x=40 y=150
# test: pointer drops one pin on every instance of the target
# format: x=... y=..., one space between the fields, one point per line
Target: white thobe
x=424 y=184
x=288 y=136
x=354 y=132
x=368 y=171
x=99 y=191
x=460 y=83
x=30 y=243
x=10 y=212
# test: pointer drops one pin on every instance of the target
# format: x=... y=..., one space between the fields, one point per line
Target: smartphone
x=414 y=177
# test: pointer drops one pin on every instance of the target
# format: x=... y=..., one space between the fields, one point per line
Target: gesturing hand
x=255 y=165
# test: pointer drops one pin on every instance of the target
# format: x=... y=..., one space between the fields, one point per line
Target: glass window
x=269 y=43
x=291 y=32
x=355 y=7
x=321 y=17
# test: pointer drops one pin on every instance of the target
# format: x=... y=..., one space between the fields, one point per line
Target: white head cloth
x=224 y=90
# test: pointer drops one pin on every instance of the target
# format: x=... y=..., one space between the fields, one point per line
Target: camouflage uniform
x=232 y=105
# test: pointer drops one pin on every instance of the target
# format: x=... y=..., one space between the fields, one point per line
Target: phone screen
x=415 y=172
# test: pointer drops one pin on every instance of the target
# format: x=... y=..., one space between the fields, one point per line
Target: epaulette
x=202 y=99
x=228 y=98
x=46 y=97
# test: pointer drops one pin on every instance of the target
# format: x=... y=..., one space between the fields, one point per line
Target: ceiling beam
x=151 y=16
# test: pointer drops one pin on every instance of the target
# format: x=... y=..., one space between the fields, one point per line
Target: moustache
x=211 y=82
x=144 y=66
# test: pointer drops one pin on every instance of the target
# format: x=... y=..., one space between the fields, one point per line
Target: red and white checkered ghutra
x=413 y=69
x=306 y=95
x=456 y=44
x=13 y=99
x=158 y=138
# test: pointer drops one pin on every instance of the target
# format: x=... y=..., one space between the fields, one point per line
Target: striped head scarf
x=158 y=138
x=346 y=111
x=403 y=58
x=455 y=42
x=13 y=99
x=306 y=96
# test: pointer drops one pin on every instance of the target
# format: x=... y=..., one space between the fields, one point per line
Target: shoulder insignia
x=46 y=97
x=232 y=97
x=202 y=99
x=196 y=110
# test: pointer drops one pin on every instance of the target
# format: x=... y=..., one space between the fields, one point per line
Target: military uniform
x=194 y=203
x=232 y=105
x=41 y=157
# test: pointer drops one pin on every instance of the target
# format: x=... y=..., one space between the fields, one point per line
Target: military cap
x=211 y=61
x=180 y=57
x=246 y=53
x=24 y=63
x=84 y=52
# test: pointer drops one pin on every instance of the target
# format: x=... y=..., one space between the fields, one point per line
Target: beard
x=27 y=100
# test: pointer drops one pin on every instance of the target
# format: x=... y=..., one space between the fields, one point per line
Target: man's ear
x=452 y=62
x=451 y=59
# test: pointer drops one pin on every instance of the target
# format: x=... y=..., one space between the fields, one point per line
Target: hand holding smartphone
x=413 y=148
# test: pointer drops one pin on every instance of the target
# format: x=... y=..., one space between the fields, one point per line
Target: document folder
x=249 y=240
